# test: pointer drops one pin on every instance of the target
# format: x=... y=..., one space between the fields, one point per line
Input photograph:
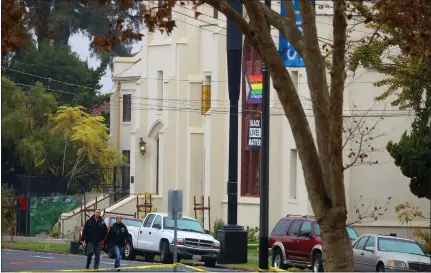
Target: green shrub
x=218 y=224
x=8 y=195
x=54 y=232
x=253 y=235
x=425 y=239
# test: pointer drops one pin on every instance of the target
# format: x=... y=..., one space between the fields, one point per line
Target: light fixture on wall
x=142 y=146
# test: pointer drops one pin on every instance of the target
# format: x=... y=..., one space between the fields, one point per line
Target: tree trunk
x=62 y=23
x=62 y=34
x=42 y=19
x=337 y=246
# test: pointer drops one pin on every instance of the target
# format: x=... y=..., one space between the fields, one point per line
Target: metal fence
x=47 y=197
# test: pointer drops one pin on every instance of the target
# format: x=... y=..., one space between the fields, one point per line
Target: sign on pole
x=253 y=88
x=175 y=204
x=175 y=209
x=255 y=133
x=288 y=54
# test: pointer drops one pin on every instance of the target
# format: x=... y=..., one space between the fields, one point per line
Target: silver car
x=387 y=253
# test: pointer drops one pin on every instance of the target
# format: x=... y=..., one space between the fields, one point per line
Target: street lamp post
x=232 y=237
x=264 y=186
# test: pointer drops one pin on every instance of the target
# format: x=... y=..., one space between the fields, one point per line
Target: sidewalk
x=35 y=239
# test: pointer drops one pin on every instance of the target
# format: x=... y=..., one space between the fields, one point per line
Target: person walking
x=94 y=232
x=117 y=236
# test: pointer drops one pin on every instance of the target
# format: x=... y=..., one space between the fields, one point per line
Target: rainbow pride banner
x=253 y=85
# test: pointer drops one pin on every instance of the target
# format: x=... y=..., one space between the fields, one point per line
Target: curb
x=250 y=269
x=42 y=251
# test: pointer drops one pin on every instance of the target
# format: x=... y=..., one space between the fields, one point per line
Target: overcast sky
x=80 y=44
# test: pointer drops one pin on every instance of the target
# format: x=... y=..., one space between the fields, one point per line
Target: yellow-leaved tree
x=85 y=143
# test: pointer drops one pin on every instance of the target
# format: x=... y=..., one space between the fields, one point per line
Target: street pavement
x=17 y=260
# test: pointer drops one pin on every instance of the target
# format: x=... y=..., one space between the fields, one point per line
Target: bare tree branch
x=50 y=167
x=358 y=133
x=286 y=25
x=237 y=19
x=371 y=212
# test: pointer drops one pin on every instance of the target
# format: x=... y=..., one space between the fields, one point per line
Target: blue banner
x=288 y=54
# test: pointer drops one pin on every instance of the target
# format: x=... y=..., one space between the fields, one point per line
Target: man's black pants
x=93 y=248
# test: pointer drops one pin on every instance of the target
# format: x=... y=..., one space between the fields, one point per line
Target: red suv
x=295 y=241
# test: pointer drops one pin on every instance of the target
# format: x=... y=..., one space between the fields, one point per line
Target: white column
x=161 y=161
x=133 y=152
x=207 y=162
x=134 y=146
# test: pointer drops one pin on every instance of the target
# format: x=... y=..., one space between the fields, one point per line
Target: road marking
x=276 y=269
x=192 y=267
x=34 y=262
x=42 y=257
x=111 y=263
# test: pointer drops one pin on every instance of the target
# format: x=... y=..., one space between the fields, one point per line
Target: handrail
x=123 y=198
x=81 y=210
x=103 y=198
x=118 y=213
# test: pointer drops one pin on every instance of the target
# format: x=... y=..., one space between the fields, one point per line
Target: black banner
x=255 y=133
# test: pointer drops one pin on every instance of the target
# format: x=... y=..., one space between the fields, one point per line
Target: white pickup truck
x=156 y=236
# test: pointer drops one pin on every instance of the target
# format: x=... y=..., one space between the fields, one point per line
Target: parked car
x=380 y=253
x=295 y=241
x=130 y=222
x=156 y=237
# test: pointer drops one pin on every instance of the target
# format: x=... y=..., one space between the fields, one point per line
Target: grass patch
x=253 y=252
x=37 y=246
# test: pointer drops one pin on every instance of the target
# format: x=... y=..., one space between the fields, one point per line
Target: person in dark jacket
x=94 y=233
x=117 y=236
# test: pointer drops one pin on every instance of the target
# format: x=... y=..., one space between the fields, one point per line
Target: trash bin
x=74 y=247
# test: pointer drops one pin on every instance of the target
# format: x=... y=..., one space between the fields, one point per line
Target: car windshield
x=132 y=222
x=400 y=246
x=350 y=230
x=128 y=222
x=183 y=224
x=352 y=233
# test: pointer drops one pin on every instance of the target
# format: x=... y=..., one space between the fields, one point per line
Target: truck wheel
x=210 y=263
x=165 y=253
x=149 y=257
x=277 y=259
x=317 y=264
x=129 y=251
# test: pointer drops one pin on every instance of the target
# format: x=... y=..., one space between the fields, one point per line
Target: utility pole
x=232 y=237
x=264 y=165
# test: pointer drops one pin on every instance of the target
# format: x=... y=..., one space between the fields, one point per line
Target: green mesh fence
x=45 y=211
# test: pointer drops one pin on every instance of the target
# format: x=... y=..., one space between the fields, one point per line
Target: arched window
x=157 y=165
x=155 y=138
